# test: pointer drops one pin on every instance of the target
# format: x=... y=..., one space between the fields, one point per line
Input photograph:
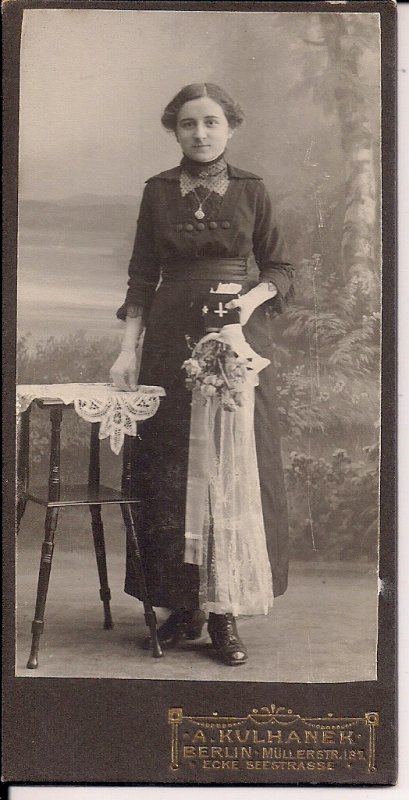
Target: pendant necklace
x=199 y=213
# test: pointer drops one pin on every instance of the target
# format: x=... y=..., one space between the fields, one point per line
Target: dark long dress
x=190 y=257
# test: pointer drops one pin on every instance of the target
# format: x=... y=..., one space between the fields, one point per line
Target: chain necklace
x=199 y=213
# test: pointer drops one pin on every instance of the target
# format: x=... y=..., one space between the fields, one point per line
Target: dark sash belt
x=204 y=269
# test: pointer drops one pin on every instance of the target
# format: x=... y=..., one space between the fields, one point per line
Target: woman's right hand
x=123 y=371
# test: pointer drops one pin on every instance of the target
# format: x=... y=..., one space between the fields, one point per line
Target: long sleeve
x=270 y=251
x=144 y=269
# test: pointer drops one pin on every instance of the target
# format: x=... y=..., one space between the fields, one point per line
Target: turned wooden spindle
x=97 y=524
x=51 y=520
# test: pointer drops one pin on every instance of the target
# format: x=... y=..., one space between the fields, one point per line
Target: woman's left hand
x=245 y=306
x=252 y=299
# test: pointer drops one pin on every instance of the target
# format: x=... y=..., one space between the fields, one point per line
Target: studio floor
x=324 y=629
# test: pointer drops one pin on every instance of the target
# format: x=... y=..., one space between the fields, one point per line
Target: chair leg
x=37 y=626
x=51 y=519
x=21 y=507
x=99 y=545
x=150 y=616
x=97 y=526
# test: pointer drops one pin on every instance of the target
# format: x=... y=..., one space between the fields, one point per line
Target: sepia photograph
x=199 y=269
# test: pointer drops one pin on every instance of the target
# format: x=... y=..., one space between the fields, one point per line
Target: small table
x=112 y=413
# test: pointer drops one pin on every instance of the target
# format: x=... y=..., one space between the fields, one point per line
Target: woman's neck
x=196 y=167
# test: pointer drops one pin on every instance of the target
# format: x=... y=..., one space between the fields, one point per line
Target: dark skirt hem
x=162 y=454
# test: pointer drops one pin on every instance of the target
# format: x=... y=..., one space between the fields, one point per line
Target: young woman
x=199 y=223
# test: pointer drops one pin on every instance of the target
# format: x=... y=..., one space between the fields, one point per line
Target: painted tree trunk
x=359 y=250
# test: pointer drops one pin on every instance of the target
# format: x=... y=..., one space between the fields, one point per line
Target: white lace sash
x=224 y=527
x=117 y=411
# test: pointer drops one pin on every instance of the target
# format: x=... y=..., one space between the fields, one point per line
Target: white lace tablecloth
x=117 y=411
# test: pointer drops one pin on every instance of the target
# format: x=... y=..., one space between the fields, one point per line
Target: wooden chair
x=92 y=494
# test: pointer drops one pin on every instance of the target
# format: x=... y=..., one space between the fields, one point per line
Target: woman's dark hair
x=234 y=113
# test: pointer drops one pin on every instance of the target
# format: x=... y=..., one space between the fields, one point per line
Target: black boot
x=182 y=624
x=226 y=640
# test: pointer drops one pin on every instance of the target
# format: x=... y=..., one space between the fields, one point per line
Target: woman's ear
x=230 y=133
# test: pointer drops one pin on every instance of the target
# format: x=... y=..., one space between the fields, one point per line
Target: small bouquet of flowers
x=215 y=370
x=222 y=364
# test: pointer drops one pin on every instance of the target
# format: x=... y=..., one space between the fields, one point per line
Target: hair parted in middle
x=233 y=111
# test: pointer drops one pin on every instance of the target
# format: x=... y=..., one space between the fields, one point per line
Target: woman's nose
x=200 y=132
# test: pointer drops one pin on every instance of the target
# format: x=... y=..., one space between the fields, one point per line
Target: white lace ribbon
x=224 y=527
x=117 y=411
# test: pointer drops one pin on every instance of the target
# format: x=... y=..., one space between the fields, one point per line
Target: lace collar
x=197 y=169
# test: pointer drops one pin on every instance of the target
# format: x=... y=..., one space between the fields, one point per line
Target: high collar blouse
x=238 y=224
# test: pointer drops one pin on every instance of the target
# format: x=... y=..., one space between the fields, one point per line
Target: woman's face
x=202 y=129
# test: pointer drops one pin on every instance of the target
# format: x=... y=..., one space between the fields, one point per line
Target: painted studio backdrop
x=93 y=86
